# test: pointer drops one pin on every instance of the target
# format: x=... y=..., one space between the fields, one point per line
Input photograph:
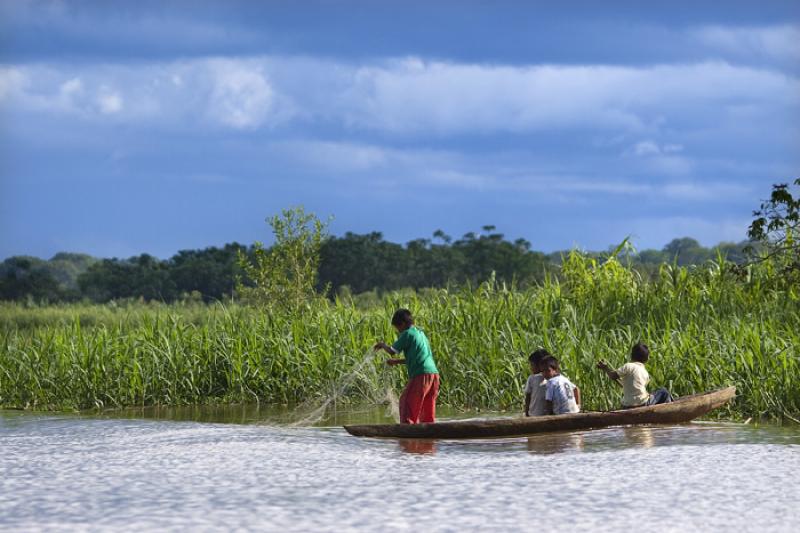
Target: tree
x=686 y=251
x=284 y=275
x=211 y=272
x=27 y=277
x=776 y=229
x=142 y=276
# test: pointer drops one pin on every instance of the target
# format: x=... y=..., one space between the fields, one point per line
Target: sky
x=156 y=126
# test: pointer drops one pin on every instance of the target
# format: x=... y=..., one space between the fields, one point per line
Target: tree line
x=352 y=263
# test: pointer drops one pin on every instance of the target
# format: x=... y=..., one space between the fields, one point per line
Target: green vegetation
x=284 y=275
x=706 y=326
x=350 y=264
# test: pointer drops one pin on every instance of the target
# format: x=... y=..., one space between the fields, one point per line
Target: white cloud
x=241 y=96
x=413 y=97
x=362 y=165
x=704 y=192
x=654 y=232
x=109 y=101
x=769 y=42
x=649 y=147
x=12 y=80
x=645 y=148
x=71 y=87
x=336 y=156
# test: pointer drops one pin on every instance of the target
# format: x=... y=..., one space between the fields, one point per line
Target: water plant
x=707 y=327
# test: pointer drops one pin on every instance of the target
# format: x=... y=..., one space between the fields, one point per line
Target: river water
x=178 y=470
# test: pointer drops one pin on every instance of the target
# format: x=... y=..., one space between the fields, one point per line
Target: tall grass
x=705 y=330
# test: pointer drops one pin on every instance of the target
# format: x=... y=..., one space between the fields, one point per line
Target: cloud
x=359 y=166
x=12 y=81
x=71 y=87
x=645 y=148
x=656 y=231
x=109 y=101
x=215 y=92
x=241 y=96
x=414 y=96
x=660 y=159
x=410 y=96
x=768 y=42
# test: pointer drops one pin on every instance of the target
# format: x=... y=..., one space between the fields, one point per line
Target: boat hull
x=682 y=410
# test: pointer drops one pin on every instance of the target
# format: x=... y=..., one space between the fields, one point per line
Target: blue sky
x=130 y=127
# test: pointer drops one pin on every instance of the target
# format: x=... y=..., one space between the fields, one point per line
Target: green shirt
x=419 y=358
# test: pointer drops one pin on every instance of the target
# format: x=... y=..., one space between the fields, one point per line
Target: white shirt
x=536 y=386
x=634 y=384
x=561 y=392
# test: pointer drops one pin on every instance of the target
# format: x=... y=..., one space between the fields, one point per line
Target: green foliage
x=355 y=263
x=706 y=329
x=284 y=275
x=28 y=278
x=777 y=229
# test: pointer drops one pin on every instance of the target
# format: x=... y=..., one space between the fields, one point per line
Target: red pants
x=418 y=401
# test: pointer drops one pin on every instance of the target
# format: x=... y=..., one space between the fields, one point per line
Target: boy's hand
x=393 y=362
x=602 y=365
x=380 y=345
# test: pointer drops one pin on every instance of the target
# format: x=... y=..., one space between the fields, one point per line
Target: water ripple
x=121 y=475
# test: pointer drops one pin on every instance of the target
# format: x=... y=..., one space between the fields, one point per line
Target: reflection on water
x=418 y=446
x=641 y=436
x=555 y=443
x=336 y=415
x=60 y=472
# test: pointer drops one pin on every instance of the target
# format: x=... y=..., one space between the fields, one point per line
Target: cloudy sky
x=130 y=127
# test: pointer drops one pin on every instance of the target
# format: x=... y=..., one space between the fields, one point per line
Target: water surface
x=112 y=473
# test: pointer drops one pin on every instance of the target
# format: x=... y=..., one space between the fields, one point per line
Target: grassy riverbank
x=706 y=329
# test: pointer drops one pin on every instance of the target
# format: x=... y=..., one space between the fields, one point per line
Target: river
x=179 y=470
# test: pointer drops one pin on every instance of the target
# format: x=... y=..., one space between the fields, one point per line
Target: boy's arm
x=527 y=403
x=548 y=407
x=610 y=372
x=578 y=396
x=380 y=345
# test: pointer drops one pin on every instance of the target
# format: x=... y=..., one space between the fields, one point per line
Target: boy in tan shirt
x=634 y=378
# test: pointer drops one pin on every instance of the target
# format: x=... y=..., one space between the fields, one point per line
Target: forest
x=350 y=264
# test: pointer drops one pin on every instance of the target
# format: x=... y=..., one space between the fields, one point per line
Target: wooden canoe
x=681 y=410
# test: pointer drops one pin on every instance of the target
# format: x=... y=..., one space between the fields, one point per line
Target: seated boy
x=562 y=396
x=535 y=387
x=634 y=378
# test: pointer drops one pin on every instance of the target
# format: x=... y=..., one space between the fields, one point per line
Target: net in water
x=378 y=390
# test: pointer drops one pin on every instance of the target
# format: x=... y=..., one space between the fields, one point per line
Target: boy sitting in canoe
x=535 y=387
x=634 y=378
x=418 y=401
x=561 y=396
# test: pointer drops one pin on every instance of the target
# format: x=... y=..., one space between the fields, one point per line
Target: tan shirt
x=634 y=384
x=536 y=386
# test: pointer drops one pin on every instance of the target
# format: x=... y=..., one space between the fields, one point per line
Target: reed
x=706 y=329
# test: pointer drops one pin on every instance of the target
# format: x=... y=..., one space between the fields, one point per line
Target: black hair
x=640 y=352
x=550 y=362
x=402 y=317
x=537 y=356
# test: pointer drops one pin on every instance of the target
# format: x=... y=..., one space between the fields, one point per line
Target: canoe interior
x=681 y=410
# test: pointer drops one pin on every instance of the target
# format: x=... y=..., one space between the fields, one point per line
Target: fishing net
x=369 y=382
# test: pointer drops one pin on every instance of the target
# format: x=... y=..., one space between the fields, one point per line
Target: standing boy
x=634 y=378
x=418 y=401
x=535 y=387
x=562 y=395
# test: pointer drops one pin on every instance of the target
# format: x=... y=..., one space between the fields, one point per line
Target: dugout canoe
x=681 y=410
